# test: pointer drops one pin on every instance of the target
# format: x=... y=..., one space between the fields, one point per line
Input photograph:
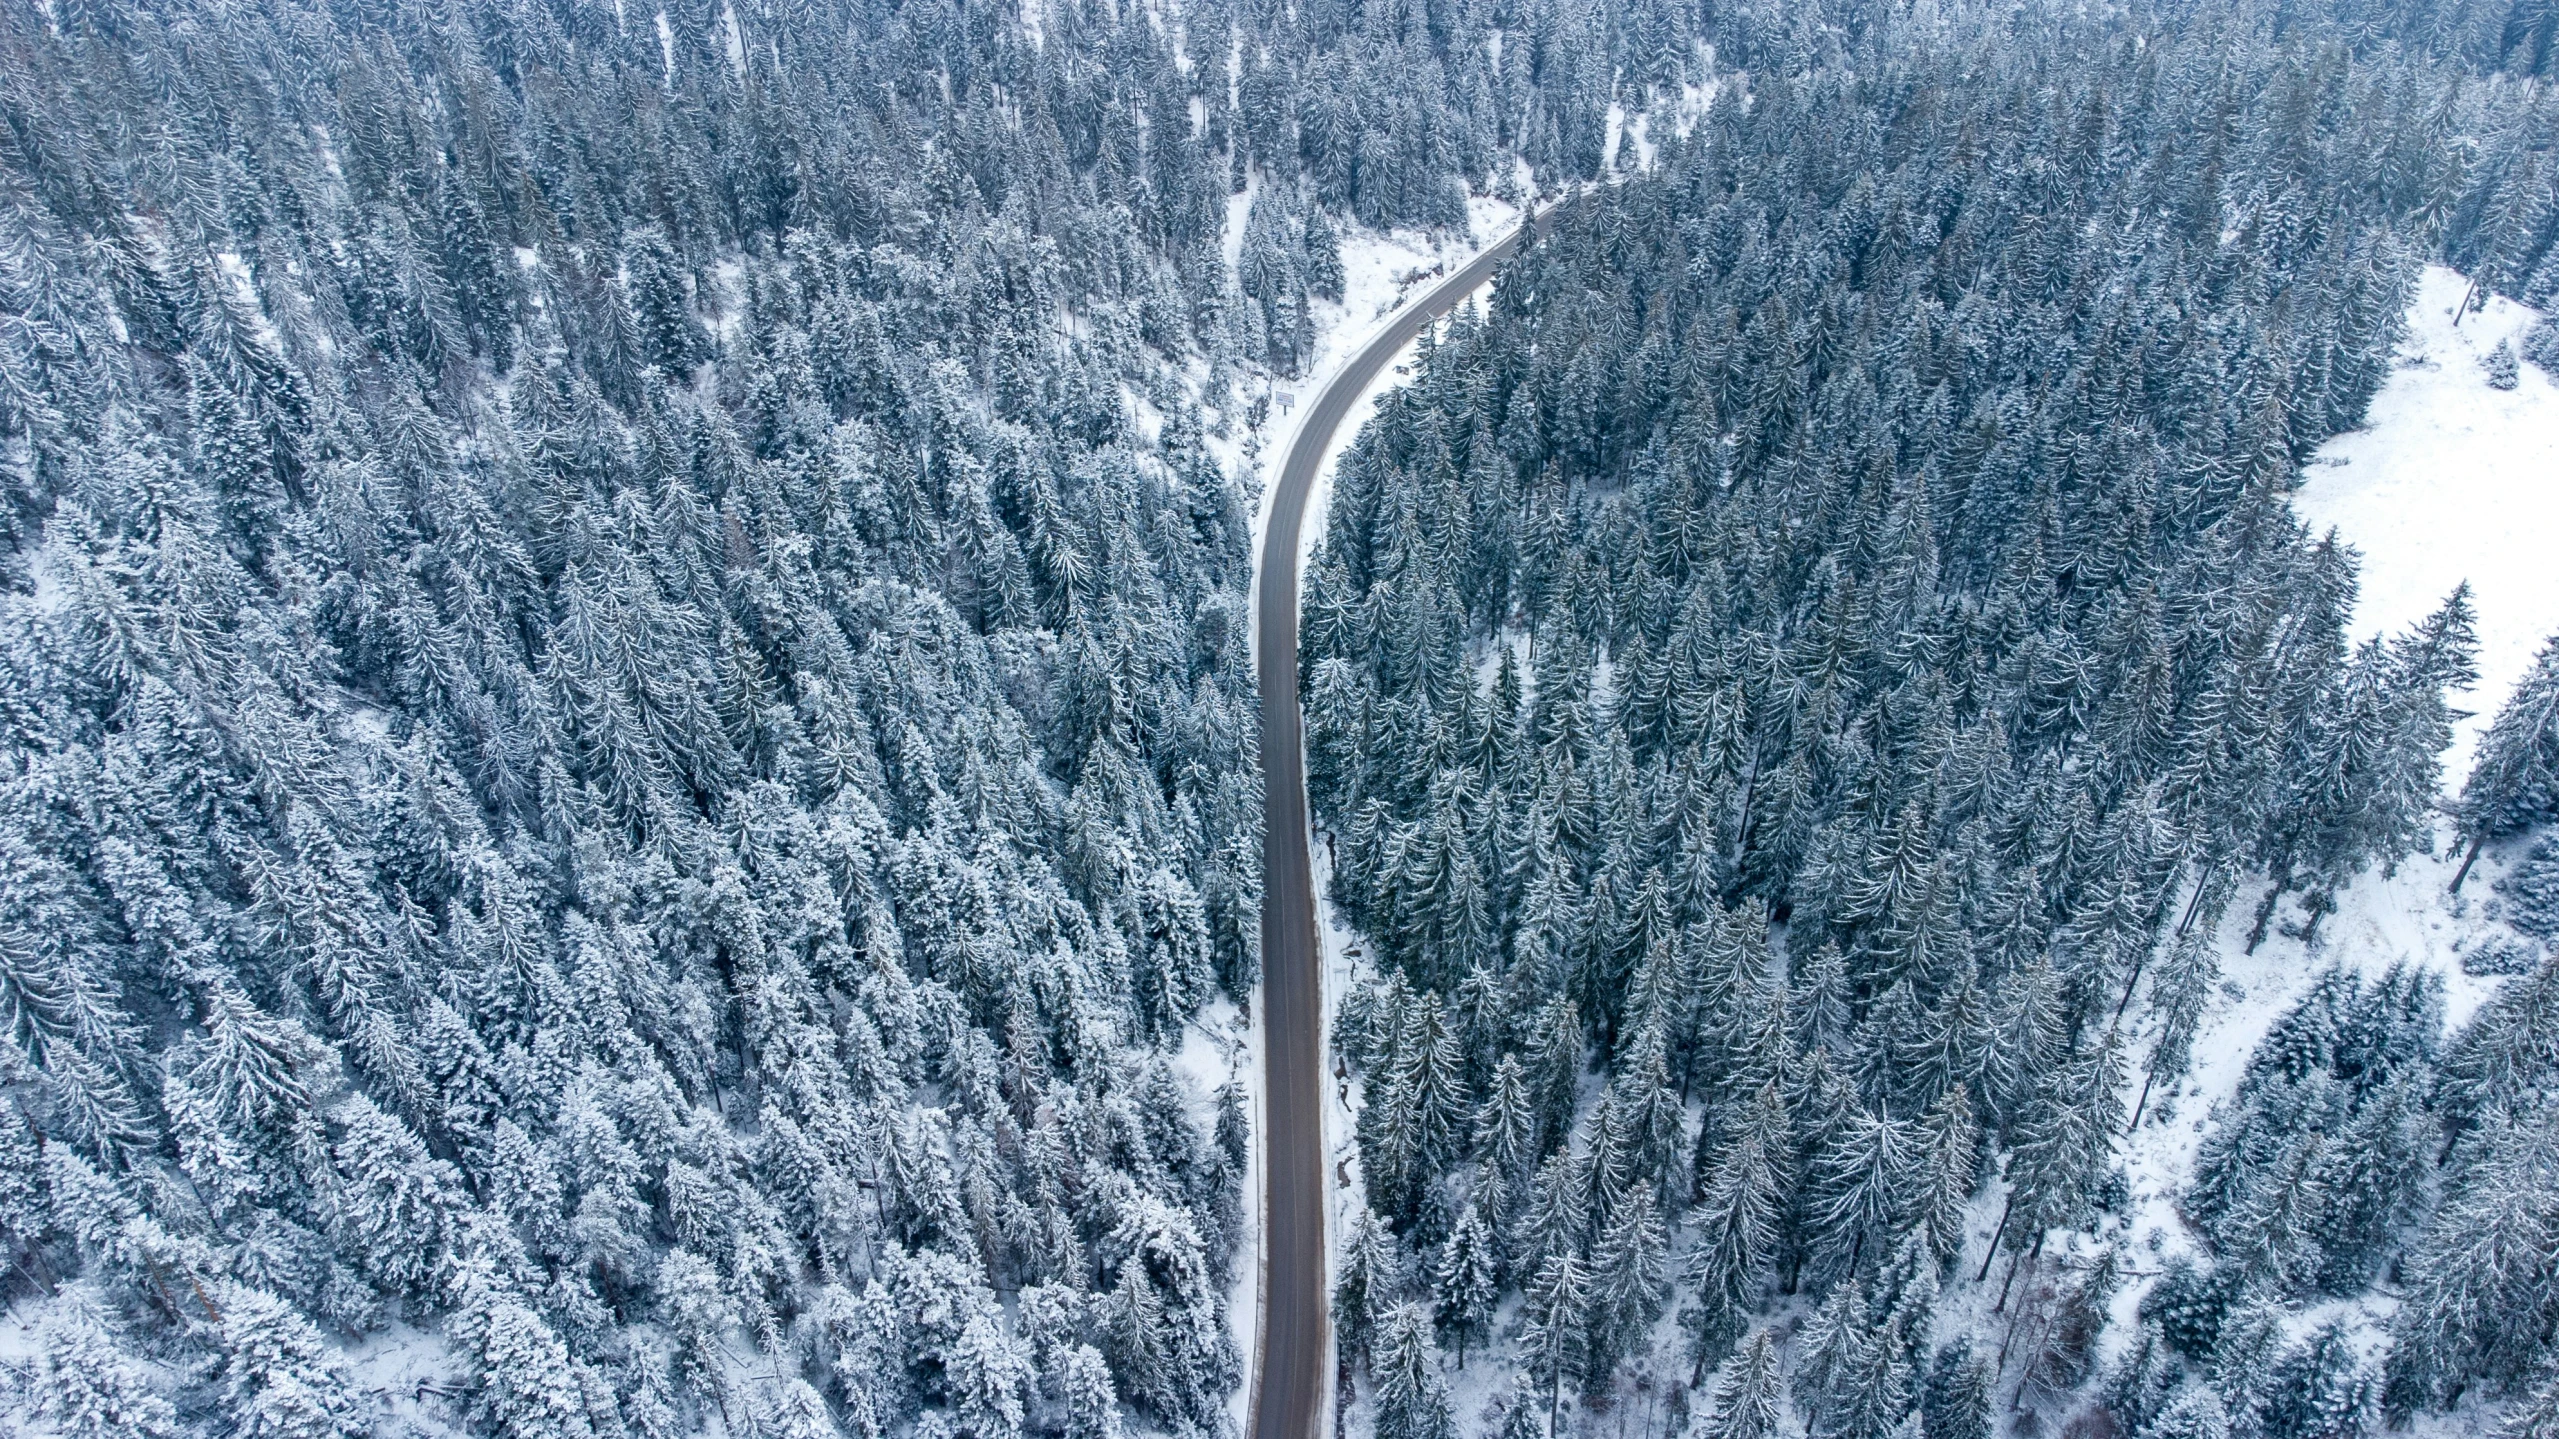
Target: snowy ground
x=2450 y=480
x=2380 y=921
x=414 y=1383
x=1220 y=1044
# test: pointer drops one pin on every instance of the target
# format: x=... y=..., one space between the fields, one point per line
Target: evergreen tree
x=1738 y=1209
x=86 y=1386
x=2319 y=1389
x=1467 y=1278
x=2196 y=1413
x=1958 y=1398
x=279 y=1378
x=1554 y=1335
x=1749 y=1397
x=2499 y=366
x=630 y=727
x=2512 y=778
x=1412 y=1403
x=1366 y=1279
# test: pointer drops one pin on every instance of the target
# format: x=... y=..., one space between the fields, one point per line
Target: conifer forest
x=631 y=768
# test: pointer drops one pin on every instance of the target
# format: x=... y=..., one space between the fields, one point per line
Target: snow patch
x=1380 y=270
x=1220 y=1044
x=2451 y=480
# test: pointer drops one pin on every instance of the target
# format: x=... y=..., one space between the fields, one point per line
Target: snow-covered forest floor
x=2451 y=480
x=2384 y=919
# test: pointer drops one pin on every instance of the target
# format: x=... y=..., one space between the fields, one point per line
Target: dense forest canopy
x=627 y=760
x=628 y=741
x=1829 y=648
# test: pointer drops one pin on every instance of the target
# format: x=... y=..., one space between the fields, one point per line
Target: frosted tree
x=278 y=1378
x=1412 y=1403
x=2499 y=366
x=522 y=1376
x=1366 y=1279
x=1467 y=1277
x=2515 y=777
x=1846 y=1373
x=1627 y=1265
x=988 y=1375
x=1092 y=1411
x=1555 y=1332
x=2536 y=1414
x=2482 y=1270
x=1749 y=1398
x=699 y=1312
x=1958 y=1398
x=1943 y=1174
x=630 y=726
x=1736 y=1219
x=2319 y=1389
x=2196 y=1413
x=799 y=1412
x=86 y=1386
x=1858 y=1181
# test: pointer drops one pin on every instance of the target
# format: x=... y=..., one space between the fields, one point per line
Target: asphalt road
x=1289 y=1378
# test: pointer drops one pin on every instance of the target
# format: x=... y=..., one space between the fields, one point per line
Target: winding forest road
x=1288 y=1377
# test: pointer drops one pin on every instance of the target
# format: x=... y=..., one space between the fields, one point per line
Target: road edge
x=1420 y=311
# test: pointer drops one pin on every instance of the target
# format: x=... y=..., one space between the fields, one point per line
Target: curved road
x=1289 y=1379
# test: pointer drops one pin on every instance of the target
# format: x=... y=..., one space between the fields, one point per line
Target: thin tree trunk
x=2194 y=904
x=2266 y=912
x=2149 y=1078
x=2031 y=1256
x=1750 y=789
x=2477 y=842
x=2129 y=986
x=1993 y=1251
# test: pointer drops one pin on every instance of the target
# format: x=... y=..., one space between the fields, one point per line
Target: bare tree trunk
x=2477 y=842
x=2129 y=986
x=2194 y=903
x=2031 y=1256
x=1993 y=1251
x=2266 y=911
x=2148 y=1079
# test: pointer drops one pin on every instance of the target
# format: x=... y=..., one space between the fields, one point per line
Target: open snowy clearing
x=2452 y=480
